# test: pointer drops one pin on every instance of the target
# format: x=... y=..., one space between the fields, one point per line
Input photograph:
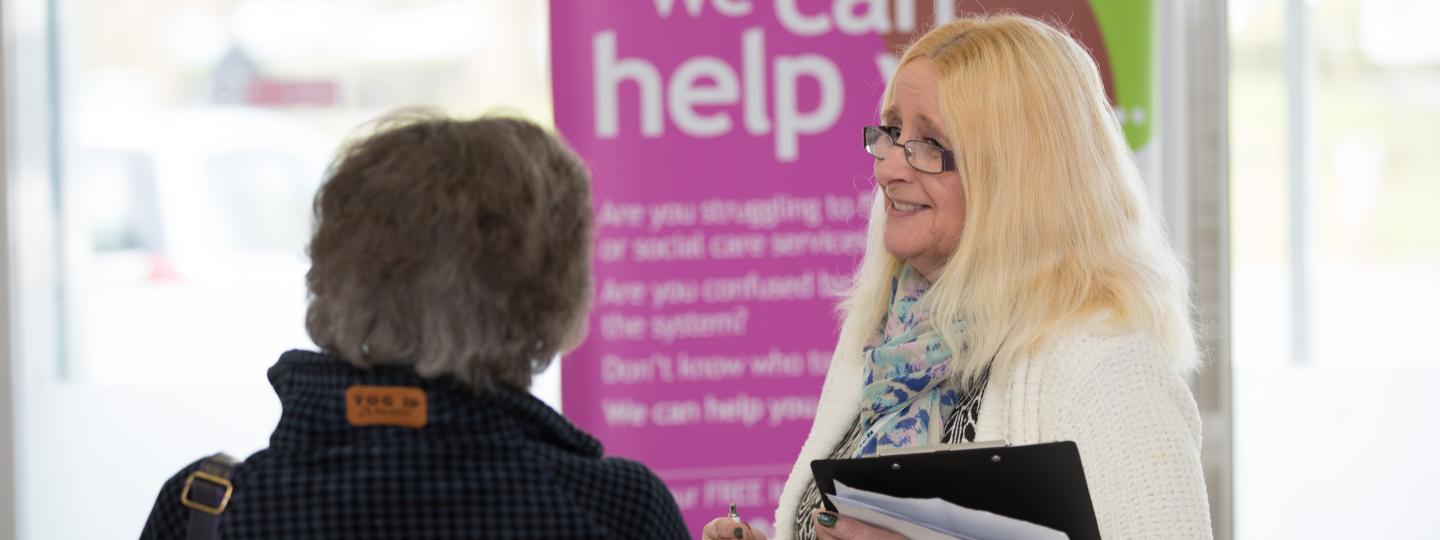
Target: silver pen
x=734 y=516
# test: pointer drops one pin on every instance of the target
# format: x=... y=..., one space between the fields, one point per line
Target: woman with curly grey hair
x=450 y=264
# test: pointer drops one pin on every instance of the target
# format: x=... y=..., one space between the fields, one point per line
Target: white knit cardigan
x=1117 y=396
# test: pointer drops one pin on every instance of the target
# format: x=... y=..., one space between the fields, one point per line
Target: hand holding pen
x=730 y=528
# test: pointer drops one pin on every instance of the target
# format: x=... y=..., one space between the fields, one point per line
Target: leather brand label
x=404 y=406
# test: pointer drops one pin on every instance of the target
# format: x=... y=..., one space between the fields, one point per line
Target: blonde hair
x=1058 y=230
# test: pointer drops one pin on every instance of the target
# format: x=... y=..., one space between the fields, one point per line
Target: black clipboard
x=1040 y=483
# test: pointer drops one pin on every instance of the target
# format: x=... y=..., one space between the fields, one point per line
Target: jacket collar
x=312 y=385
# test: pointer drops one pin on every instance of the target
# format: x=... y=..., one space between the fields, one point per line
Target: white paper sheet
x=934 y=518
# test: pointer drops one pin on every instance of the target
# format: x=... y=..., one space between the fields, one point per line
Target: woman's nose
x=893 y=168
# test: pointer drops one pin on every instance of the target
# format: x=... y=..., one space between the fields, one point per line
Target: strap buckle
x=219 y=481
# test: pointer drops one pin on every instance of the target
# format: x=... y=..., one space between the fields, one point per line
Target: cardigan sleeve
x=1138 y=431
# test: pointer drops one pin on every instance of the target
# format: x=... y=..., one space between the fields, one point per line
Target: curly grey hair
x=461 y=248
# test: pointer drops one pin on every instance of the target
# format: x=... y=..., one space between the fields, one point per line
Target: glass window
x=165 y=153
x=1335 y=180
x=194 y=134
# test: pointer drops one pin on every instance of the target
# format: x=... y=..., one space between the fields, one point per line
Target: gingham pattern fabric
x=503 y=466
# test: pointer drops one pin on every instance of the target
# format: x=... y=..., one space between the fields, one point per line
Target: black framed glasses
x=924 y=156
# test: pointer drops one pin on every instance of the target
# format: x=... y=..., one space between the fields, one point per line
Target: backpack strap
x=206 y=493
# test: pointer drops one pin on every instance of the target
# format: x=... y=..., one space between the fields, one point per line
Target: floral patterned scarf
x=907 y=373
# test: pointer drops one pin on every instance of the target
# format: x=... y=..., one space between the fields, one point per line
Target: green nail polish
x=739 y=532
x=827 y=519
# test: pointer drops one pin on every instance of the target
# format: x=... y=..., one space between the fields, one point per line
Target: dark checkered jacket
x=505 y=466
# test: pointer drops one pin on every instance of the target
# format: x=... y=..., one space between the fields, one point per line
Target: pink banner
x=730 y=188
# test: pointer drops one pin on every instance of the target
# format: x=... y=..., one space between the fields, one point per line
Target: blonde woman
x=1016 y=277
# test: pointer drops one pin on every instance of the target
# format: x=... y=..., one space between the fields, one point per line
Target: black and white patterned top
x=959 y=428
x=502 y=466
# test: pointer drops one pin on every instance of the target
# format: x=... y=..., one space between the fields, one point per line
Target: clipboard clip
x=888 y=452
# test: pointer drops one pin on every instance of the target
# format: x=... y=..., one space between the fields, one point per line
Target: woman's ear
x=577 y=334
